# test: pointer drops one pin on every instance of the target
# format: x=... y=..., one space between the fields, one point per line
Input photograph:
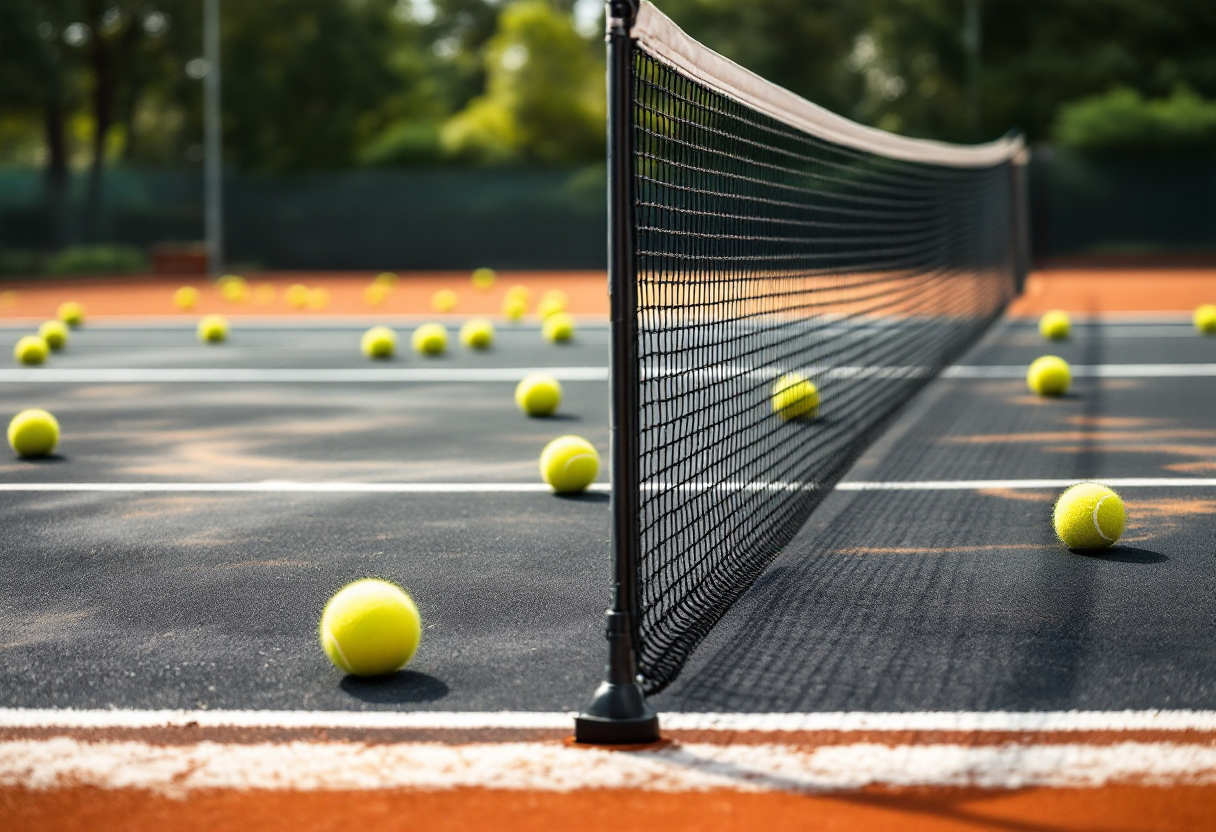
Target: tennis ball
x=33 y=433
x=297 y=295
x=484 y=279
x=370 y=628
x=538 y=394
x=795 y=397
x=185 y=297
x=31 y=349
x=551 y=303
x=55 y=333
x=212 y=329
x=1049 y=376
x=234 y=288
x=318 y=298
x=71 y=313
x=1205 y=319
x=1089 y=516
x=430 y=339
x=477 y=334
x=569 y=464
x=558 y=328
x=379 y=342
x=519 y=291
x=386 y=279
x=375 y=294
x=514 y=308
x=444 y=300
x=1055 y=325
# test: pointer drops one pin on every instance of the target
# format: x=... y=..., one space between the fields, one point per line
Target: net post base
x=617 y=715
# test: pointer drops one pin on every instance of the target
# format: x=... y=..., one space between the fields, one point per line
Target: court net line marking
x=287 y=487
x=841 y=721
x=235 y=375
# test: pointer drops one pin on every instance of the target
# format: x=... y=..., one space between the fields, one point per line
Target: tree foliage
x=1123 y=121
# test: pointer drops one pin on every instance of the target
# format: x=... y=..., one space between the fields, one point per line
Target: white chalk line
x=290 y=487
x=1087 y=371
x=551 y=767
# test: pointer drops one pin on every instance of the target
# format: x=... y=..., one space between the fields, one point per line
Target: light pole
x=213 y=186
x=972 y=27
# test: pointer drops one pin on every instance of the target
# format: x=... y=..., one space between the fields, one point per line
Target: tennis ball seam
x=1097 y=524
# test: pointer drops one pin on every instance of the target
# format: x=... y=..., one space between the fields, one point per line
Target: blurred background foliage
x=324 y=86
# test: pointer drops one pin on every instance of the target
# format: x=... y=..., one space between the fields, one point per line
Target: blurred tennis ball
x=1205 y=319
x=370 y=627
x=31 y=350
x=318 y=298
x=55 y=333
x=263 y=294
x=795 y=397
x=483 y=279
x=375 y=294
x=33 y=433
x=213 y=329
x=569 y=464
x=477 y=334
x=519 y=291
x=444 y=300
x=514 y=309
x=386 y=279
x=379 y=342
x=1049 y=376
x=185 y=298
x=558 y=328
x=430 y=339
x=234 y=288
x=551 y=303
x=1089 y=516
x=538 y=394
x=297 y=295
x=1055 y=325
x=71 y=313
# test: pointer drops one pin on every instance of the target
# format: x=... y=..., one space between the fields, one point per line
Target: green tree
x=1123 y=121
x=544 y=99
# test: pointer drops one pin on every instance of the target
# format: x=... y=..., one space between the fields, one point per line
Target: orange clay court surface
x=1088 y=291
x=174 y=791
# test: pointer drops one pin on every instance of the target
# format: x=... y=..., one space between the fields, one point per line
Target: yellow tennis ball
x=212 y=329
x=1049 y=376
x=558 y=328
x=234 y=288
x=1055 y=325
x=318 y=298
x=1089 y=516
x=379 y=342
x=33 y=433
x=370 y=627
x=484 y=279
x=71 y=313
x=386 y=279
x=31 y=349
x=185 y=297
x=375 y=294
x=519 y=291
x=477 y=334
x=1205 y=319
x=297 y=295
x=569 y=464
x=444 y=300
x=514 y=308
x=430 y=339
x=795 y=397
x=538 y=394
x=55 y=333
x=551 y=303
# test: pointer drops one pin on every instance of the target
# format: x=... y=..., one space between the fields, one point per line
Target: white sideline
x=1087 y=371
x=186 y=375
x=844 y=721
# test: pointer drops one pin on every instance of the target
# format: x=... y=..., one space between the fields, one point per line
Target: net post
x=1020 y=171
x=618 y=713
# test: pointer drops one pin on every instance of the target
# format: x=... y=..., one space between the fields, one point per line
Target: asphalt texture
x=935 y=600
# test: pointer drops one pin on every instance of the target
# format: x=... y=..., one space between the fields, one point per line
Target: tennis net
x=763 y=242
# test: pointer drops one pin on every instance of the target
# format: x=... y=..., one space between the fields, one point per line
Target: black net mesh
x=773 y=266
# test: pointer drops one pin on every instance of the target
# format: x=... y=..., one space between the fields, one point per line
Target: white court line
x=261 y=376
x=1088 y=371
x=977 y=485
x=846 y=721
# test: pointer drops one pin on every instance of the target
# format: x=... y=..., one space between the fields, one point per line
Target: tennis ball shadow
x=561 y=417
x=1126 y=554
x=585 y=497
x=49 y=459
x=400 y=687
